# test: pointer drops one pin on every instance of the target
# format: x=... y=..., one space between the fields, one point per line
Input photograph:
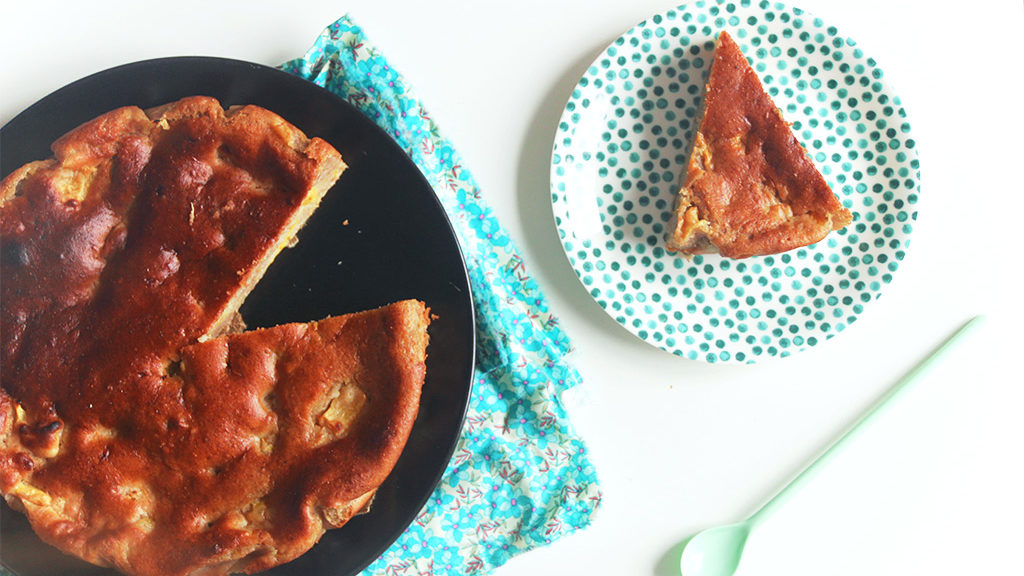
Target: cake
x=136 y=430
x=750 y=188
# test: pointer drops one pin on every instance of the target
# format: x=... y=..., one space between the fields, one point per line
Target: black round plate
x=380 y=235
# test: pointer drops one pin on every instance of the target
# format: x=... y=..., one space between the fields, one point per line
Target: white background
x=934 y=488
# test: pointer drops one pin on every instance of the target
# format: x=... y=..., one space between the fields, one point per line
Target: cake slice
x=146 y=231
x=750 y=188
x=244 y=453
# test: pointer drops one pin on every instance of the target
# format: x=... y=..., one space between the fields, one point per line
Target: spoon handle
x=910 y=377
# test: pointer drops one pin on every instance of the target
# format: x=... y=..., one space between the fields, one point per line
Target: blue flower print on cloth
x=520 y=476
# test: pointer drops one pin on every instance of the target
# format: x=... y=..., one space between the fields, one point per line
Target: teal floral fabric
x=520 y=476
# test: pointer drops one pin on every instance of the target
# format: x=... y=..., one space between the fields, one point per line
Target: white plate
x=622 y=144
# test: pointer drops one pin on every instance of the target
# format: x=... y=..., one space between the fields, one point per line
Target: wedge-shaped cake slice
x=750 y=188
x=242 y=453
x=144 y=233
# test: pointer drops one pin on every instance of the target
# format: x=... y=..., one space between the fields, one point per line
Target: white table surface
x=934 y=488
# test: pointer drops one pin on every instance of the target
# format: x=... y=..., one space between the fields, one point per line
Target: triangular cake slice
x=750 y=187
x=256 y=444
x=145 y=232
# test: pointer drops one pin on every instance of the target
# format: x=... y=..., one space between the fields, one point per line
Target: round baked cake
x=136 y=431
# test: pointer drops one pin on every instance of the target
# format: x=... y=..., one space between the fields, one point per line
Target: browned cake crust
x=263 y=441
x=750 y=187
x=141 y=236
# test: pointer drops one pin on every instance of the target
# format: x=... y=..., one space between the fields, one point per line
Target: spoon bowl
x=715 y=551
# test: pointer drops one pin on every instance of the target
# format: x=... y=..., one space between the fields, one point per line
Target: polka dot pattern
x=622 y=144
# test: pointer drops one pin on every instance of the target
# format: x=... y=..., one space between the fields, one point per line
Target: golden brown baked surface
x=143 y=234
x=262 y=441
x=132 y=435
x=750 y=188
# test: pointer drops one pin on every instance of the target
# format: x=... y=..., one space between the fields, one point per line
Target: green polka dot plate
x=621 y=146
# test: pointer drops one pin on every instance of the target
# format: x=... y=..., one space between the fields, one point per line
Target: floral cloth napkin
x=520 y=476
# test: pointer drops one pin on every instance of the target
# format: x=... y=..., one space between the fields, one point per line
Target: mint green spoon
x=717 y=551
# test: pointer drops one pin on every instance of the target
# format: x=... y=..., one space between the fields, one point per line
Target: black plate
x=397 y=244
